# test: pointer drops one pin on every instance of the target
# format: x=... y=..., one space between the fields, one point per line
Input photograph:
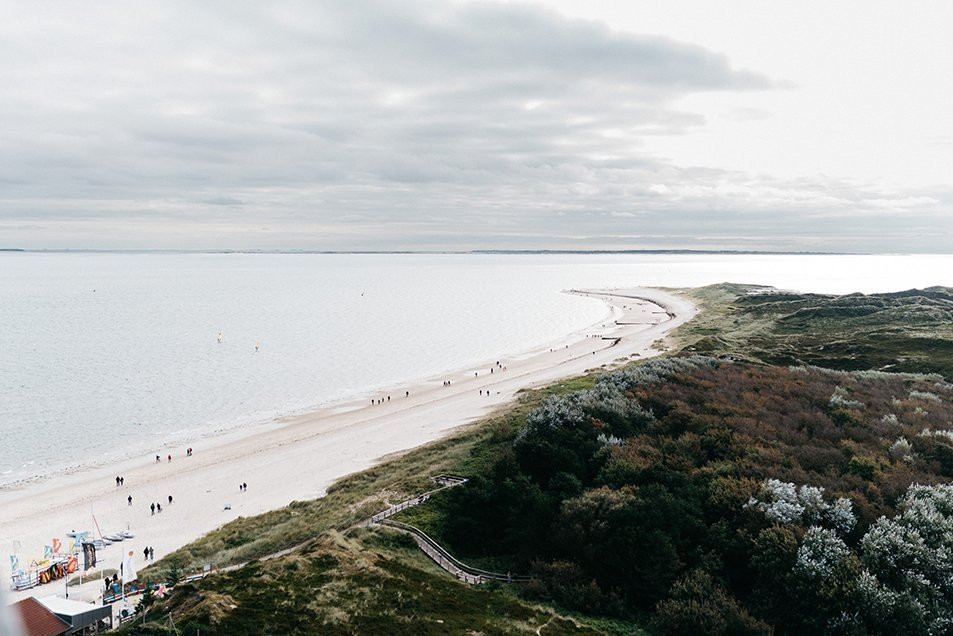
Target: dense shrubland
x=727 y=498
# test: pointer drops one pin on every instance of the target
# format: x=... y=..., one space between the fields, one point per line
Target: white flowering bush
x=901 y=450
x=912 y=554
x=839 y=400
x=924 y=395
x=654 y=371
x=821 y=552
x=942 y=433
x=784 y=503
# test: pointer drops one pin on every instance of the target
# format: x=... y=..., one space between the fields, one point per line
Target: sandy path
x=299 y=457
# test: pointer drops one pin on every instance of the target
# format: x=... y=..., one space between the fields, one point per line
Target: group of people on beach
x=149 y=554
x=242 y=487
x=120 y=481
x=382 y=400
x=156 y=507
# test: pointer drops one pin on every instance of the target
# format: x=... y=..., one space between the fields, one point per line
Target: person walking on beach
x=152 y=554
x=170 y=500
x=152 y=507
x=117 y=481
x=129 y=499
x=170 y=458
x=145 y=553
x=245 y=487
x=157 y=459
x=158 y=507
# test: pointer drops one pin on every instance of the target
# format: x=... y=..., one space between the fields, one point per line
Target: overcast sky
x=467 y=125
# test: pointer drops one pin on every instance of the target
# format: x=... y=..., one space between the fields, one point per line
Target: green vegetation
x=368 y=582
x=724 y=493
x=910 y=331
x=689 y=488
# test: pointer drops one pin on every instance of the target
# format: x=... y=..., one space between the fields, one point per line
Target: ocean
x=104 y=355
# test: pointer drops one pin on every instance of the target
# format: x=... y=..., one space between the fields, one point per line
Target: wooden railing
x=433 y=549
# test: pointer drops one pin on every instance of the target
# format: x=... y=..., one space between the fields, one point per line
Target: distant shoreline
x=549 y=252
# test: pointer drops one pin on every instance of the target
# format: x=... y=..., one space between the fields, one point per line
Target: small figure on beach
x=158 y=507
x=122 y=481
x=117 y=481
x=481 y=391
x=220 y=337
x=257 y=346
x=170 y=500
x=188 y=452
x=145 y=553
x=245 y=487
x=152 y=553
x=152 y=507
x=157 y=459
x=129 y=499
x=406 y=393
x=170 y=458
x=388 y=398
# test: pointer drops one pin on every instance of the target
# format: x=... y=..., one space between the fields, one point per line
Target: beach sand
x=299 y=457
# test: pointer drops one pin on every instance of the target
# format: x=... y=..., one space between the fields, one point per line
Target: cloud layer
x=414 y=125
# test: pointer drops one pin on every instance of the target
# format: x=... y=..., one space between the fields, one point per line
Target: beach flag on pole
x=14 y=562
x=89 y=556
x=128 y=569
x=57 y=546
x=47 y=552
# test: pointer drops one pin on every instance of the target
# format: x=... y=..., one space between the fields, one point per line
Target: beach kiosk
x=83 y=618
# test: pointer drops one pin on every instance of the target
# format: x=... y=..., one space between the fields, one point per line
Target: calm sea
x=103 y=355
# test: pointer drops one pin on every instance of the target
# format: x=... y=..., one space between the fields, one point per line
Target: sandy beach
x=299 y=457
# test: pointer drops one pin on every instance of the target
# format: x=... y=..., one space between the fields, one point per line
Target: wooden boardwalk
x=434 y=550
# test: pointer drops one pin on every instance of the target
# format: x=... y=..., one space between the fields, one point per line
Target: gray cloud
x=414 y=125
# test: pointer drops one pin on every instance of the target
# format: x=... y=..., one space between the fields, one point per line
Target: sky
x=457 y=125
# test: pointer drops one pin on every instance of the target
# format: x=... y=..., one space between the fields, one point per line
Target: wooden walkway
x=434 y=550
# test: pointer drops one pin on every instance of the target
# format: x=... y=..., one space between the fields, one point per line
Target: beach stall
x=83 y=618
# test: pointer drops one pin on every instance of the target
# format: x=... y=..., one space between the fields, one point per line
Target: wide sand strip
x=299 y=457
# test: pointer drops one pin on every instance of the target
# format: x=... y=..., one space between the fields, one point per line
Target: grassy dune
x=910 y=331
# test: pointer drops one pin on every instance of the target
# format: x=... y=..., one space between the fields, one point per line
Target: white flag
x=128 y=569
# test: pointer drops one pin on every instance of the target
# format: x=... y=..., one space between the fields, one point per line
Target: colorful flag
x=57 y=546
x=47 y=552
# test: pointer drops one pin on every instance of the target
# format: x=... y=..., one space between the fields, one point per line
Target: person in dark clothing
x=153 y=508
x=170 y=500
